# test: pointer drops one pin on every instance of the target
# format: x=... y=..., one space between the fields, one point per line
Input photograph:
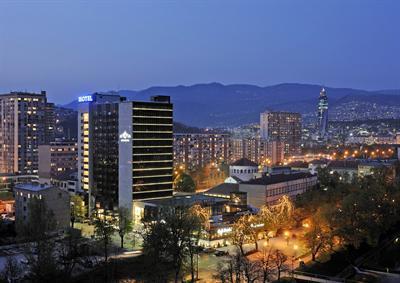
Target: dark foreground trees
x=12 y=271
x=104 y=228
x=37 y=229
x=171 y=240
x=50 y=257
x=238 y=268
x=346 y=214
x=184 y=183
x=125 y=225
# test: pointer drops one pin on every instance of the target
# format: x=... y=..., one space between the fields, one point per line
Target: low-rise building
x=268 y=189
x=347 y=169
x=68 y=181
x=222 y=213
x=367 y=168
x=55 y=199
x=244 y=169
x=8 y=181
x=228 y=191
x=317 y=163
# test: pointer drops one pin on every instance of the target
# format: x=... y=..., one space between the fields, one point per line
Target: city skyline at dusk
x=73 y=48
x=199 y=141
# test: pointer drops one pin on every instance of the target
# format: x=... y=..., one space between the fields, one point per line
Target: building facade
x=244 y=169
x=26 y=121
x=282 y=127
x=57 y=158
x=125 y=150
x=268 y=189
x=322 y=114
x=86 y=126
x=55 y=199
x=197 y=150
x=257 y=150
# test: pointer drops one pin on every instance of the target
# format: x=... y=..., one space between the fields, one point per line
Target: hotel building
x=26 y=121
x=125 y=150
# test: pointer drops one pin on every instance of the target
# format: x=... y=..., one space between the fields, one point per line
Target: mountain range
x=218 y=105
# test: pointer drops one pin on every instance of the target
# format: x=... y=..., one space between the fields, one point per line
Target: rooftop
x=184 y=200
x=33 y=187
x=345 y=164
x=69 y=175
x=244 y=162
x=223 y=189
x=278 y=178
x=319 y=161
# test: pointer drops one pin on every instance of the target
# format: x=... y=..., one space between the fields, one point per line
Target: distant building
x=313 y=165
x=347 y=169
x=68 y=181
x=322 y=116
x=8 y=181
x=367 y=168
x=55 y=199
x=244 y=169
x=371 y=139
x=282 y=127
x=268 y=189
x=196 y=150
x=257 y=150
x=57 y=158
x=26 y=121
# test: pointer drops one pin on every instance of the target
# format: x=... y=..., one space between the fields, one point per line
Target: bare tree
x=250 y=269
x=78 y=209
x=266 y=264
x=244 y=230
x=238 y=235
x=40 y=253
x=124 y=224
x=232 y=270
x=12 y=271
x=279 y=260
x=171 y=239
x=318 y=238
x=69 y=253
x=104 y=228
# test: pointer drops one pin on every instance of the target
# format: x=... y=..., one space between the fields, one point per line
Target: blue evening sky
x=73 y=47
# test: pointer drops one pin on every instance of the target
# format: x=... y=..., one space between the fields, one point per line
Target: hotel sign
x=85 y=98
x=125 y=137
